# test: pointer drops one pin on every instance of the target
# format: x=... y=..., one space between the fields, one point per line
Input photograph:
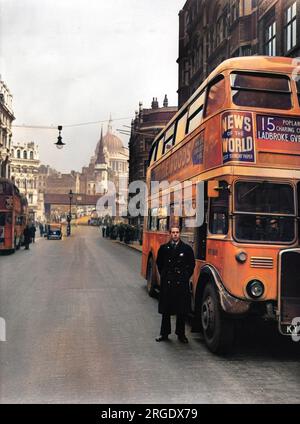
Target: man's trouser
x=165 y=329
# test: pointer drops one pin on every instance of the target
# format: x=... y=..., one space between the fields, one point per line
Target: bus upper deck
x=247 y=112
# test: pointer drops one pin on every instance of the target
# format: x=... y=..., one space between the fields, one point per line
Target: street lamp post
x=70 y=214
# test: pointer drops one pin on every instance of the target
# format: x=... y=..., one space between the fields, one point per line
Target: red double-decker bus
x=13 y=216
x=238 y=137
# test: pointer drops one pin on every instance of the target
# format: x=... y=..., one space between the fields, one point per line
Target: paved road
x=81 y=328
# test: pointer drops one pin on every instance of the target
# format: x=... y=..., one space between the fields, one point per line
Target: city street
x=81 y=328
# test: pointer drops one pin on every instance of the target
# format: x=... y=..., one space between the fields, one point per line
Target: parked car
x=54 y=231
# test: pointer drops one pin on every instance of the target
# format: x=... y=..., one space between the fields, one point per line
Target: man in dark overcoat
x=175 y=263
x=27 y=237
x=32 y=233
x=41 y=227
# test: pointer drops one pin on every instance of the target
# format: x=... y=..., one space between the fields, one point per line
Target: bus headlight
x=241 y=257
x=255 y=289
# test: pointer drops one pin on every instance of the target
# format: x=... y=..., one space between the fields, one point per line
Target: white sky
x=73 y=61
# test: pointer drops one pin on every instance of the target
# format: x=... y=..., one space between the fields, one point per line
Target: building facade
x=108 y=164
x=278 y=27
x=211 y=31
x=60 y=183
x=24 y=168
x=146 y=125
x=44 y=172
x=6 y=119
x=58 y=206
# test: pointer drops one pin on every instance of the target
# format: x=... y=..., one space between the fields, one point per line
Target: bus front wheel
x=218 y=330
x=150 y=278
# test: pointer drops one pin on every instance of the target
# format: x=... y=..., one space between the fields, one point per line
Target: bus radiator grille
x=261 y=262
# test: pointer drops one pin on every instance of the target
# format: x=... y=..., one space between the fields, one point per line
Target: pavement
x=81 y=328
x=134 y=245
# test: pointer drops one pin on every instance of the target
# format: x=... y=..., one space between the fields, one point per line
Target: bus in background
x=13 y=216
x=238 y=136
x=94 y=219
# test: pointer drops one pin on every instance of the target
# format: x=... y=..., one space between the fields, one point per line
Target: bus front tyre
x=150 y=278
x=218 y=330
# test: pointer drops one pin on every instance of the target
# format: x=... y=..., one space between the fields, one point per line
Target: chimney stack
x=154 y=104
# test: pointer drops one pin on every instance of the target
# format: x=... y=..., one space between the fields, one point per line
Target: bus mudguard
x=229 y=303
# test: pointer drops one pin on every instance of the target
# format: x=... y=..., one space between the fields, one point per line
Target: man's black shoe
x=183 y=339
x=162 y=339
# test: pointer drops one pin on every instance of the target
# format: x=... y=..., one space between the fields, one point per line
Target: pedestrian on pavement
x=121 y=231
x=41 y=227
x=27 y=237
x=175 y=263
x=32 y=233
x=103 y=230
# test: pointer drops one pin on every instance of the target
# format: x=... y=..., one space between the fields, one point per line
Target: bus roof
x=276 y=64
x=257 y=63
x=10 y=185
x=284 y=65
x=6 y=180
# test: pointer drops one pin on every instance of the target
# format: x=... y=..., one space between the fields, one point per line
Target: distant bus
x=239 y=136
x=94 y=219
x=13 y=216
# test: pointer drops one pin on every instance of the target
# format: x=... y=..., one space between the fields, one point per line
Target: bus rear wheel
x=150 y=278
x=218 y=330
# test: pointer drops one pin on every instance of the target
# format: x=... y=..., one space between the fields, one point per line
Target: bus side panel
x=212 y=145
x=8 y=236
x=235 y=275
x=145 y=252
x=151 y=243
x=196 y=275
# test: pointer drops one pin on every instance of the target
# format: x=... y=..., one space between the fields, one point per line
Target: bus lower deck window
x=218 y=216
x=264 y=228
x=264 y=211
x=2 y=218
